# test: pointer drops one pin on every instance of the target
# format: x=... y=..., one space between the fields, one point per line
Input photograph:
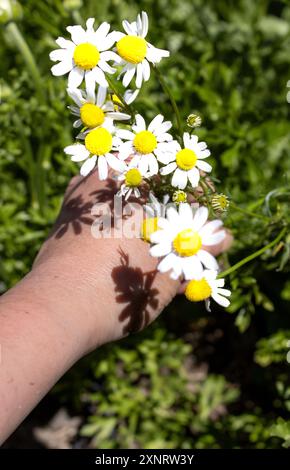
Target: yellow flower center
x=187 y=242
x=132 y=49
x=149 y=226
x=99 y=141
x=133 y=178
x=86 y=56
x=179 y=196
x=145 y=142
x=198 y=290
x=186 y=159
x=92 y=115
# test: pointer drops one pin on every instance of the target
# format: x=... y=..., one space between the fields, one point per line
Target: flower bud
x=193 y=120
x=71 y=5
x=10 y=10
x=179 y=196
x=220 y=202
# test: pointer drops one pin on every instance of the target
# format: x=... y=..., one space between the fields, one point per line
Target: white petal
x=109 y=55
x=167 y=263
x=62 y=68
x=168 y=168
x=165 y=137
x=204 y=166
x=130 y=96
x=106 y=67
x=186 y=139
x=102 y=167
x=139 y=75
x=60 y=54
x=78 y=158
x=139 y=25
x=193 y=176
x=107 y=43
x=207 y=260
x=65 y=44
x=155 y=123
x=191 y=267
x=203 y=154
x=154 y=54
x=78 y=34
x=100 y=77
x=75 y=77
x=214 y=239
x=90 y=85
x=128 y=28
x=144 y=29
x=77 y=149
x=102 y=30
x=200 y=218
x=77 y=123
x=159 y=236
x=185 y=212
x=225 y=292
x=128 y=76
x=163 y=128
x=143 y=164
x=118 y=116
x=210 y=227
x=220 y=300
x=101 y=96
x=140 y=123
x=153 y=165
x=125 y=134
x=90 y=24
x=172 y=216
x=88 y=166
x=76 y=95
x=179 y=179
x=115 y=162
x=161 y=249
x=146 y=70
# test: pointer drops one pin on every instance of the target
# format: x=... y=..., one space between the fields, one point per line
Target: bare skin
x=81 y=293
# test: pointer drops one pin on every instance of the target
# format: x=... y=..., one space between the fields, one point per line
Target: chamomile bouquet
x=161 y=165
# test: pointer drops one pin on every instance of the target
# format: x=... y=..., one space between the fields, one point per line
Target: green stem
x=253 y=255
x=27 y=56
x=116 y=92
x=172 y=100
x=251 y=214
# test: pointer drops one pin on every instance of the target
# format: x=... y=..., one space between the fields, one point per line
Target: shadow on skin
x=74 y=214
x=135 y=290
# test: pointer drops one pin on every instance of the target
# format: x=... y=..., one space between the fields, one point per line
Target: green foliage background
x=193 y=379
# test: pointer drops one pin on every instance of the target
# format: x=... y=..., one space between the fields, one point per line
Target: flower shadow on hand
x=134 y=289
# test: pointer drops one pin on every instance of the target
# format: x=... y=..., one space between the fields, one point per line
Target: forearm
x=39 y=341
x=67 y=306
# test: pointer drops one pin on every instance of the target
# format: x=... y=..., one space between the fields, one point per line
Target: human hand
x=111 y=284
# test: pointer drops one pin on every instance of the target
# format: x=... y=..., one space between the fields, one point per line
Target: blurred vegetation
x=193 y=379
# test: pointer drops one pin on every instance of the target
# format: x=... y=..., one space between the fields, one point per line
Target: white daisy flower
x=93 y=111
x=206 y=287
x=186 y=162
x=147 y=145
x=135 y=52
x=182 y=238
x=97 y=149
x=153 y=210
x=86 y=55
x=132 y=179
